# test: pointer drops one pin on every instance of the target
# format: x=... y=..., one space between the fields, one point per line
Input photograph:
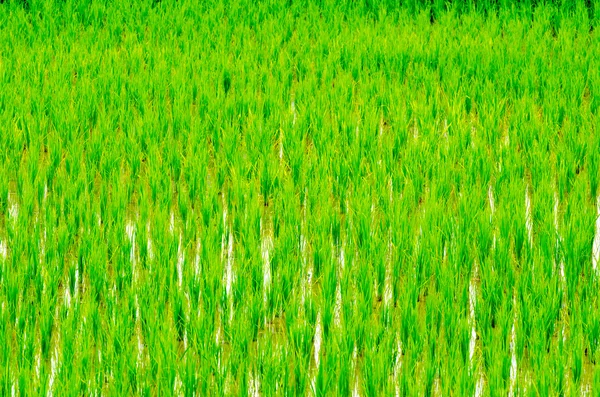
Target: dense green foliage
x=297 y=198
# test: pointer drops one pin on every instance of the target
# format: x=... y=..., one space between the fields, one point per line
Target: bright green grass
x=289 y=200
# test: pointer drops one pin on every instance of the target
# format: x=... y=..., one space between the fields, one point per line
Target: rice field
x=299 y=198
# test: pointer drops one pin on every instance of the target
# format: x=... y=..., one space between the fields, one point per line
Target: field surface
x=299 y=198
